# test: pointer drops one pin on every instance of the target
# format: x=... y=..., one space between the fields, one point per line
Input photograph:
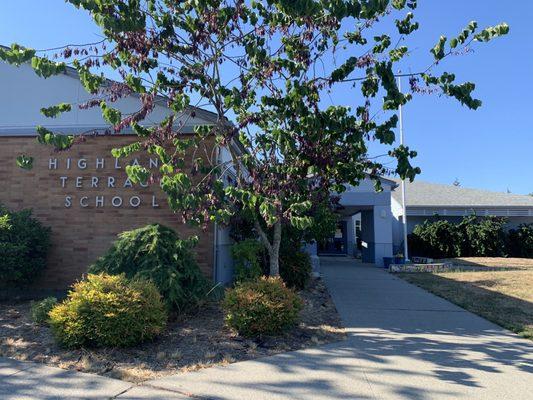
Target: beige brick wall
x=81 y=234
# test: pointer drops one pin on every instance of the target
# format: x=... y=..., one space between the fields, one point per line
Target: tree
x=266 y=66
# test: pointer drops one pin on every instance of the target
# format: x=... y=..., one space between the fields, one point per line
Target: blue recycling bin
x=387 y=261
x=399 y=260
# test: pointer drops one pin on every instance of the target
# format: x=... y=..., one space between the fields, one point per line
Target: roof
x=388 y=181
x=425 y=194
x=208 y=115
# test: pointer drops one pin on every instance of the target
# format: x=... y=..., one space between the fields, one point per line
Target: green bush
x=438 y=239
x=471 y=237
x=40 y=309
x=483 y=237
x=520 y=241
x=295 y=268
x=246 y=260
x=24 y=244
x=109 y=311
x=262 y=307
x=156 y=253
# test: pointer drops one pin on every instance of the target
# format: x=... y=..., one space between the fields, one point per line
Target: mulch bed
x=195 y=341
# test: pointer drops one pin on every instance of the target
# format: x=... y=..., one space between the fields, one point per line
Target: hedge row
x=471 y=237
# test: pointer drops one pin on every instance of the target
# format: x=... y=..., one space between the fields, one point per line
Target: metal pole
x=404 y=218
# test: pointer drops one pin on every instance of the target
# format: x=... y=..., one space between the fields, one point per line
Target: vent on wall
x=522 y=212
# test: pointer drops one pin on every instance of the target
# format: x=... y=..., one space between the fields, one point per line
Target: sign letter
x=116 y=201
x=99 y=201
x=135 y=201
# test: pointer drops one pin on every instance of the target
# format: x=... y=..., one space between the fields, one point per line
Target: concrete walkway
x=403 y=343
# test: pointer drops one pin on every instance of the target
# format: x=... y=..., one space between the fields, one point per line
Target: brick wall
x=83 y=219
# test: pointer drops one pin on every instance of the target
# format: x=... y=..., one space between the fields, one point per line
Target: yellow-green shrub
x=108 y=310
x=262 y=307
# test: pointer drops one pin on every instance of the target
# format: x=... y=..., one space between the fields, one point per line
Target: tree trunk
x=274 y=255
x=272 y=248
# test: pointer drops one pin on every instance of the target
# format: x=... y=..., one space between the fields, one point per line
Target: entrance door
x=338 y=243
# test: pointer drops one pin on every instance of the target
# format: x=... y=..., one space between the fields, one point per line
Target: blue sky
x=491 y=148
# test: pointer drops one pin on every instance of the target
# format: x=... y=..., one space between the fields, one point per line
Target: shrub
x=472 y=236
x=24 y=244
x=520 y=241
x=295 y=268
x=108 y=310
x=438 y=239
x=156 y=253
x=39 y=310
x=262 y=307
x=246 y=260
x=483 y=236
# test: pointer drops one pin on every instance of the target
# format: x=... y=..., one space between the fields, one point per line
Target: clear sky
x=491 y=148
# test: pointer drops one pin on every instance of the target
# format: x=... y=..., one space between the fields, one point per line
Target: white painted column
x=382 y=218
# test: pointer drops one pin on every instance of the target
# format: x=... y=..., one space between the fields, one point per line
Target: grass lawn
x=522 y=263
x=503 y=297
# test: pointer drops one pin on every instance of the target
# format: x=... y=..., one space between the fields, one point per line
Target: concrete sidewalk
x=29 y=381
x=403 y=343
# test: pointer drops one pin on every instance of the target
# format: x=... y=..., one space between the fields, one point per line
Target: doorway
x=337 y=244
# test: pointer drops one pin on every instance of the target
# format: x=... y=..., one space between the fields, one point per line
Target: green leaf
x=404 y=26
x=137 y=173
x=382 y=43
x=125 y=151
x=90 y=82
x=60 y=142
x=111 y=115
x=268 y=212
x=397 y=54
x=45 y=68
x=135 y=83
x=344 y=70
x=438 y=50
x=492 y=32
x=301 y=223
x=54 y=111
x=25 y=162
x=16 y=55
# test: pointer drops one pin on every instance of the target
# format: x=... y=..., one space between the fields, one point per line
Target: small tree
x=265 y=65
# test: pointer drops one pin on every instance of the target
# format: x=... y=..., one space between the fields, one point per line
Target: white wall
x=24 y=94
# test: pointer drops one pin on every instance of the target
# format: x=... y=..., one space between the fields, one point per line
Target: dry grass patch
x=501 y=262
x=503 y=297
